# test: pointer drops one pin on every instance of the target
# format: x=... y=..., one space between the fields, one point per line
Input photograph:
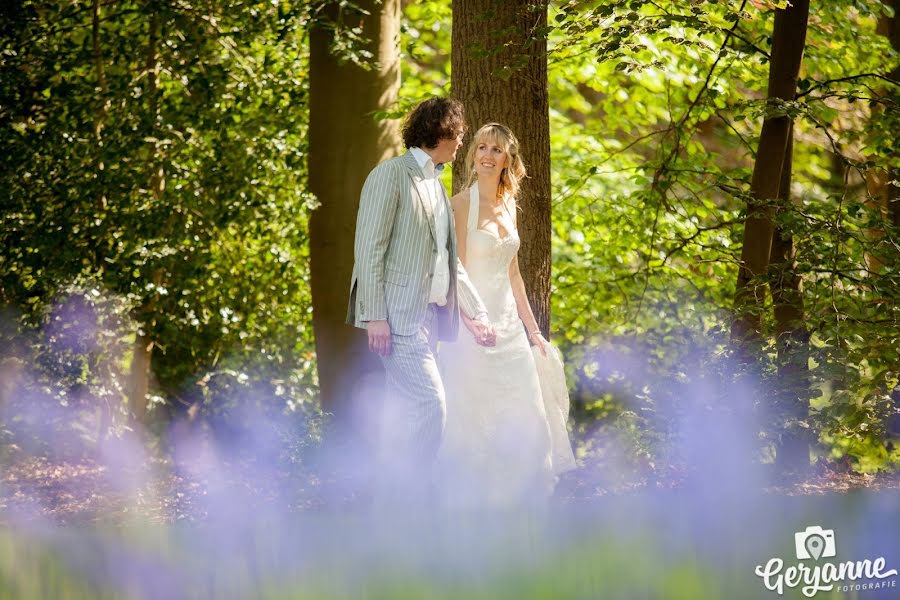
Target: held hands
x=379 y=337
x=380 y=334
x=483 y=331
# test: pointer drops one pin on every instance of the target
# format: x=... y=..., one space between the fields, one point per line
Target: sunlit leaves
x=178 y=201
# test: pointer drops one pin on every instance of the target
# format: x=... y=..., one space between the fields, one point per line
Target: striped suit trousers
x=414 y=417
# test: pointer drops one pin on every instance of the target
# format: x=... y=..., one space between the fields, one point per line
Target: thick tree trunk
x=346 y=142
x=788 y=41
x=792 y=452
x=499 y=72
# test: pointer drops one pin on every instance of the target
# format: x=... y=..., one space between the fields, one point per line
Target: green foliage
x=65 y=374
x=168 y=173
x=161 y=155
x=655 y=114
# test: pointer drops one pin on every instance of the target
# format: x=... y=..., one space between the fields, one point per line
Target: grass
x=667 y=548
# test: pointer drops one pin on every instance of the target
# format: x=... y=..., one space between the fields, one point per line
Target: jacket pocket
x=395 y=277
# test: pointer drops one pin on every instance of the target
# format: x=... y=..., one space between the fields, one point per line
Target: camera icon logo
x=814 y=543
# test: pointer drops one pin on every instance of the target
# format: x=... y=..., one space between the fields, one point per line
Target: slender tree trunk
x=105 y=420
x=157 y=167
x=101 y=115
x=792 y=337
x=788 y=42
x=345 y=143
x=499 y=72
x=142 y=354
x=883 y=196
x=785 y=282
x=101 y=74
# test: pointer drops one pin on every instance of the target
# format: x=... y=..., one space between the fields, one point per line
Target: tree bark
x=792 y=337
x=157 y=167
x=884 y=197
x=785 y=282
x=345 y=143
x=101 y=72
x=890 y=28
x=142 y=355
x=138 y=383
x=139 y=377
x=788 y=42
x=499 y=73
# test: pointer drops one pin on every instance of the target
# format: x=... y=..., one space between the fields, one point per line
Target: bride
x=496 y=448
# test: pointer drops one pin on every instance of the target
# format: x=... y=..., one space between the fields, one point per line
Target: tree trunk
x=886 y=195
x=785 y=282
x=345 y=143
x=157 y=167
x=101 y=74
x=499 y=73
x=142 y=355
x=883 y=196
x=139 y=377
x=102 y=111
x=792 y=452
x=788 y=41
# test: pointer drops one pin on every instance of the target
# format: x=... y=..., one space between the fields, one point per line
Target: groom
x=408 y=287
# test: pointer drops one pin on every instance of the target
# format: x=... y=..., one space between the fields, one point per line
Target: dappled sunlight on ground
x=68 y=492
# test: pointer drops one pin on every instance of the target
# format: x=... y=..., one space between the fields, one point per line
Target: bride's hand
x=538 y=340
x=483 y=332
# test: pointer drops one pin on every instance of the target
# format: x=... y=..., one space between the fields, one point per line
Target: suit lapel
x=448 y=210
x=419 y=184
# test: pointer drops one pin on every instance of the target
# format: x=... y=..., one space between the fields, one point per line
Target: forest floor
x=84 y=491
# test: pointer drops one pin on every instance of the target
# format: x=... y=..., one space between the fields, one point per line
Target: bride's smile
x=490 y=158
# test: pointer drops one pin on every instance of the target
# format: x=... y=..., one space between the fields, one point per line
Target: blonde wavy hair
x=514 y=171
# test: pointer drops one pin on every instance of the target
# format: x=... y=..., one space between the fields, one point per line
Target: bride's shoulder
x=459 y=203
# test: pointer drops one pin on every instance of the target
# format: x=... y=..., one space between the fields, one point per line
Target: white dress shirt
x=440 y=282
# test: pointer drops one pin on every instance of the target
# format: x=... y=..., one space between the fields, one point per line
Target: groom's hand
x=482 y=330
x=379 y=337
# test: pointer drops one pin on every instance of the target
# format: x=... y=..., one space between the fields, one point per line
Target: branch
x=744 y=141
x=571 y=191
x=733 y=32
x=712 y=70
x=676 y=147
x=850 y=78
x=686 y=241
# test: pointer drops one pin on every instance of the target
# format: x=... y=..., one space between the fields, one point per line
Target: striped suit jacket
x=395 y=251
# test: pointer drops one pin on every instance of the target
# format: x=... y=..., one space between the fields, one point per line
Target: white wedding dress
x=496 y=448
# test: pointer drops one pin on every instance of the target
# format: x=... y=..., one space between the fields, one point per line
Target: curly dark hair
x=433 y=120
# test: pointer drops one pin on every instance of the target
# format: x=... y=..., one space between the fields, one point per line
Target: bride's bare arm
x=523 y=307
x=475 y=318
